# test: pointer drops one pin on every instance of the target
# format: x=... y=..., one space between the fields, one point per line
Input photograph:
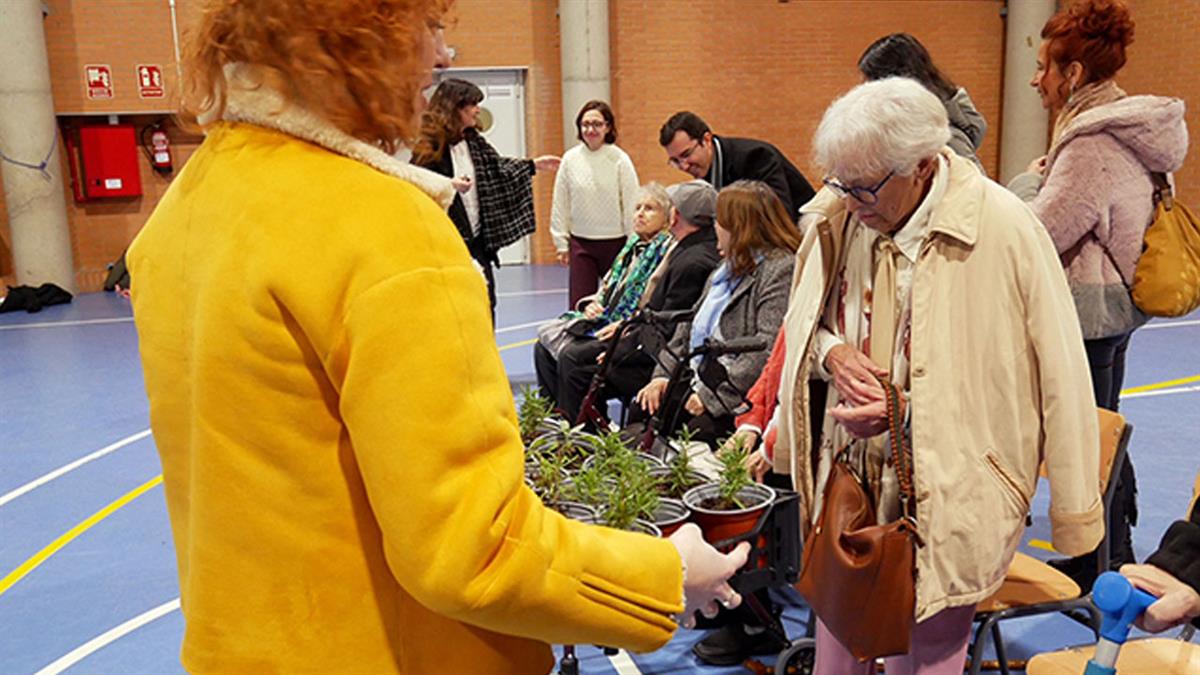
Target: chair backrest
x=1114 y=439
x=1115 y=431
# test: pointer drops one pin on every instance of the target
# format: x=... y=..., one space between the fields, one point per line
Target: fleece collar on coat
x=956 y=215
x=251 y=102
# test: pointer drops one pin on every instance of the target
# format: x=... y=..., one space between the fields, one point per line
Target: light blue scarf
x=705 y=323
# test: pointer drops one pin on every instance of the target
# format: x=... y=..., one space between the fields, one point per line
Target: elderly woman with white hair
x=918 y=271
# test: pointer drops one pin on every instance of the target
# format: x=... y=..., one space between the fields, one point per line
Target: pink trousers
x=939 y=647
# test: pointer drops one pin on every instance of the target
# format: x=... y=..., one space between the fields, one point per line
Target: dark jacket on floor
x=33 y=299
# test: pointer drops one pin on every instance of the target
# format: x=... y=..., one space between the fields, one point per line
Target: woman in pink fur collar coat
x=1093 y=191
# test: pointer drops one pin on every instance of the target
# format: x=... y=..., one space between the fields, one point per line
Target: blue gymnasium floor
x=88 y=571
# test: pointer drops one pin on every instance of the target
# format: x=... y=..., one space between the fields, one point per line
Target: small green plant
x=589 y=486
x=572 y=443
x=534 y=410
x=632 y=493
x=680 y=477
x=548 y=480
x=734 y=476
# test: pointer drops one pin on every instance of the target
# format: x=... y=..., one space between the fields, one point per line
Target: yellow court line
x=1044 y=545
x=54 y=546
x=522 y=343
x=1161 y=385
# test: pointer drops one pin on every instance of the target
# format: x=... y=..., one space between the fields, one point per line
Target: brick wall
x=767 y=69
x=1163 y=61
x=759 y=68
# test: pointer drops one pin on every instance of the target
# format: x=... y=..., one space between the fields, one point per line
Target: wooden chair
x=1031 y=586
x=1147 y=656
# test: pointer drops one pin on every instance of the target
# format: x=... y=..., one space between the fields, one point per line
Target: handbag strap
x=1161 y=195
x=901 y=450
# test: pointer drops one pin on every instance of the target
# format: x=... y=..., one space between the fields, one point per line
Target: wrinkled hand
x=593 y=310
x=867 y=420
x=650 y=396
x=547 y=162
x=1177 y=602
x=854 y=375
x=462 y=183
x=758 y=465
x=563 y=258
x=694 y=406
x=706 y=587
x=1037 y=166
x=605 y=333
x=747 y=438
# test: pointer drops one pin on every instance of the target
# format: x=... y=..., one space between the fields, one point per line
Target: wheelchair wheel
x=798 y=659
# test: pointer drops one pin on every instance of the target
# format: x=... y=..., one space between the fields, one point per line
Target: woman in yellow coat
x=340 y=453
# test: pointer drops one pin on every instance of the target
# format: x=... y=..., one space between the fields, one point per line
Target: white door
x=502 y=116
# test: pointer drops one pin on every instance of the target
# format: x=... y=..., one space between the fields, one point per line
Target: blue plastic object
x=1120 y=604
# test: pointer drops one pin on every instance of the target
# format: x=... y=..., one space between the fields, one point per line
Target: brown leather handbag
x=859 y=577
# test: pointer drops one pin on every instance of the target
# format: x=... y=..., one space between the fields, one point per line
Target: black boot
x=732 y=645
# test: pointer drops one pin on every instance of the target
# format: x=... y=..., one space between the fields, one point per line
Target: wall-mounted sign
x=150 y=81
x=99 y=81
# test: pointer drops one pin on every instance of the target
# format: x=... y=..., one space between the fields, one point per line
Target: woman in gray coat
x=902 y=55
x=746 y=296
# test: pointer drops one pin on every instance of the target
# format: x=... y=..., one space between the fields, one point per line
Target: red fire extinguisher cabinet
x=106 y=164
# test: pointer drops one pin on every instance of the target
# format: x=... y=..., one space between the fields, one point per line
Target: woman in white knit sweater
x=594 y=196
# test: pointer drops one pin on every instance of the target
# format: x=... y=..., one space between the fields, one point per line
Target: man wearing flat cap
x=675 y=285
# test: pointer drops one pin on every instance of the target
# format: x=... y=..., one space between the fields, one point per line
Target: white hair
x=886 y=125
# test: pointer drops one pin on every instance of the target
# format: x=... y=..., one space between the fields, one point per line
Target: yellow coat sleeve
x=430 y=415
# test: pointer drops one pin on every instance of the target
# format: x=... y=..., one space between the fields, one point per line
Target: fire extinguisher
x=158 y=148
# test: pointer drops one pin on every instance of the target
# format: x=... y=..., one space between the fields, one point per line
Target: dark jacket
x=687 y=270
x=1179 y=551
x=746 y=158
x=755 y=308
x=505 y=190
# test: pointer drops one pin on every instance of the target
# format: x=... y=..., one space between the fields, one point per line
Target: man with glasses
x=693 y=148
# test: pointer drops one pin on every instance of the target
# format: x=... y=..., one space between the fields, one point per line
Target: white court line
x=1171 y=324
x=60 y=324
x=1162 y=392
x=91 y=646
x=623 y=664
x=517 y=294
x=520 y=326
x=36 y=483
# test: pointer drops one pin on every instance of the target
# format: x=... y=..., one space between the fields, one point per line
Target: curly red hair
x=358 y=64
x=1093 y=32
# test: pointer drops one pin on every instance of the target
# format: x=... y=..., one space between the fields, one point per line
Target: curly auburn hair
x=357 y=64
x=1093 y=32
x=441 y=125
x=756 y=220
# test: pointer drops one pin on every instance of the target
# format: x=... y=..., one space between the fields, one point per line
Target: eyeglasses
x=684 y=157
x=865 y=195
x=593 y=125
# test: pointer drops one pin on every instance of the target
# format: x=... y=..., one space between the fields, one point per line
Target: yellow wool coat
x=340 y=452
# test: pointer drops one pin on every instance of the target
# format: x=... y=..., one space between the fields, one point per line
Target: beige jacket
x=999 y=382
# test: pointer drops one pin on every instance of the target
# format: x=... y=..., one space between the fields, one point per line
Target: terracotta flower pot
x=719 y=525
x=671 y=515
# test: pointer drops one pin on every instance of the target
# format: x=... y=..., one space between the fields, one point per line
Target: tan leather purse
x=859 y=577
